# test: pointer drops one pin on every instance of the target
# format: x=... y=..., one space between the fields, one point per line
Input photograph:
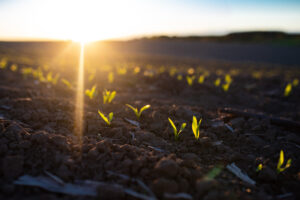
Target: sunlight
x=79 y=109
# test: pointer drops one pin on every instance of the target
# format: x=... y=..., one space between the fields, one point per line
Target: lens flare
x=79 y=96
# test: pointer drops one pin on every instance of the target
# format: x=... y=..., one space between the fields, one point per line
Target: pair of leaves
x=190 y=80
x=108 y=96
x=136 y=111
x=196 y=127
x=91 y=93
x=106 y=119
x=176 y=133
x=280 y=167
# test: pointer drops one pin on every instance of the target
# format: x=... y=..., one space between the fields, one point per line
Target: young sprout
x=288 y=89
x=106 y=119
x=201 y=79
x=110 y=77
x=108 y=96
x=136 y=70
x=190 y=80
x=217 y=82
x=295 y=82
x=91 y=93
x=259 y=167
x=26 y=71
x=55 y=79
x=196 y=127
x=172 y=71
x=91 y=77
x=179 y=77
x=213 y=173
x=176 y=133
x=67 y=83
x=14 y=67
x=136 y=111
x=3 y=63
x=280 y=167
x=121 y=70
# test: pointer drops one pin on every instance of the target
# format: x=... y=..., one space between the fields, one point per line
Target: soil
x=37 y=135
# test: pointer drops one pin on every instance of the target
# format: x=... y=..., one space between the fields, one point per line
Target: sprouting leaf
x=176 y=133
x=280 y=167
x=217 y=82
x=190 y=80
x=110 y=77
x=91 y=93
x=295 y=82
x=288 y=89
x=259 y=167
x=196 y=127
x=67 y=83
x=108 y=96
x=135 y=110
x=179 y=77
x=107 y=120
x=201 y=79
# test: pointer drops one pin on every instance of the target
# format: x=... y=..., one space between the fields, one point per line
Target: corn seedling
x=176 y=133
x=91 y=93
x=108 y=96
x=136 y=111
x=106 y=119
x=196 y=127
x=295 y=82
x=179 y=77
x=172 y=71
x=67 y=83
x=287 y=90
x=14 y=68
x=201 y=79
x=280 y=167
x=121 y=70
x=213 y=173
x=190 y=80
x=110 y=77
x=259 y=167
x=26 y=71
x=136 y=70
x=217 y=82
x=3 y=63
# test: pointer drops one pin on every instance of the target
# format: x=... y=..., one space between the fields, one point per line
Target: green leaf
x=111 y=96
x=110 y=116
x=183 y=125
x=173 y=126
x=281 y=159
x=144 y=108
x=288 y=163
x=194 y=125
x=103 y=117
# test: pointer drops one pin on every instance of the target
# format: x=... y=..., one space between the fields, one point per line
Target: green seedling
x=212 y=174
x=288 y=89
x=196 y=127
x=26 y=71
x=108 y=96
x=136 y=111
x=190 y=80
x=201 y=79
x=136 y=70
x=280 y=167
x=295 y=82
x=106 y=119
x=14 y=68
x=179 y=77
x=176 y=133
x=91 y=93
x=217 y=82
x=3 y=63
x=67 y=83
x=259 y=167
x=110 y=77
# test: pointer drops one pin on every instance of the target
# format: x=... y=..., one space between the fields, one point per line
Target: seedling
x=3 y=63
x=106 y=119
x=295 y=82
x=26 y=71
x=212 y=174
x=136 y=70
x=226 y=86
x=121 y=70
x=280 y=167
x=179 y=77
x=108 y=96
x=136 y=111
x=67 y=83
x=196 y=127
x=288 y=90
x=217 y=82
x=14 y=68
x=176 y=133
x=259 y=167
x=91 y=93
x=110 y=77
x=201 y=79
x=190 y=80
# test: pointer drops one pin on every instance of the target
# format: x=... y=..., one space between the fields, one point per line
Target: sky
x=88 y=20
